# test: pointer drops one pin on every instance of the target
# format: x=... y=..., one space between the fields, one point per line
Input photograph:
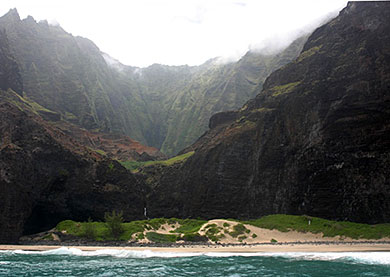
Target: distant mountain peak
x=29 y=19
x=13 y=14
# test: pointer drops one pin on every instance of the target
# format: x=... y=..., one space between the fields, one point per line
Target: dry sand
x=261 y=235
x=309 y=247
x=257 y=240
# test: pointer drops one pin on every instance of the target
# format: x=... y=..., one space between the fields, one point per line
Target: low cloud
x=53 y=22
x=176 y=32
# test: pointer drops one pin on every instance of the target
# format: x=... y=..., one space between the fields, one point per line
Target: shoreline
x=290 y=247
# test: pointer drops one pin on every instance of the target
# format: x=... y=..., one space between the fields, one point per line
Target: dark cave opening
x=41 y=219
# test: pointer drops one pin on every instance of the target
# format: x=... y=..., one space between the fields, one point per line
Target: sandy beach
x=299 y=247
x=256 y=240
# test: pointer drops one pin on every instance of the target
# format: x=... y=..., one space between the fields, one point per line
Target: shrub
x=213 y=232
x=114 y=223
x=195 y=237
x=140 y=236
x=161 y=238
x=239 y=229
x=89 y=229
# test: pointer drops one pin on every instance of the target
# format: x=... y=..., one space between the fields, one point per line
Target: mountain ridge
x=167 y=107
x=313 y=141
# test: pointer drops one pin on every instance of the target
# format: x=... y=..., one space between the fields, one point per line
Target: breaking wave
x=382 y=258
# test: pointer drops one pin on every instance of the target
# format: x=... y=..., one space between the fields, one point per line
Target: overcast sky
x=175 y=32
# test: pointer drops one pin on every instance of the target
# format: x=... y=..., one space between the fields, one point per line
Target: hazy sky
x=175 y=32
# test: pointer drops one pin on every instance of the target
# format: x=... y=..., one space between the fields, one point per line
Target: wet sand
x=299 y=247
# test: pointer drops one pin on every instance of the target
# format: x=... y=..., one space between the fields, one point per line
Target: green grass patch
x=308 y=53
x=156 y=223
x=134 y=166
x=71 y=227
x=25 y=103
x=329 y=228
x=189 y=228
x=194 y=237
x=189 y=225
x=239 y=229
x=283 y=89
x=213 y=232
x=34 y=105
x=101 y=232
x=70 y=116
x=161 y=238
x=101 y=152
x=74 y=228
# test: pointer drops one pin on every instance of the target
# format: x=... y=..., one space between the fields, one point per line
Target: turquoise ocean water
x=73 y=262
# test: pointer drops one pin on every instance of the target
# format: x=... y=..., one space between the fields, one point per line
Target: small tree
x=89 y=229
x=114 y=223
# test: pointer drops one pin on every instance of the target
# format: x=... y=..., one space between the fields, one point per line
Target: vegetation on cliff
x=167 y=107
x=47 y=176
x=135 y=166
x=315 y=140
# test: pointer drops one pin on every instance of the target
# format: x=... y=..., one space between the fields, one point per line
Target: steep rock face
x=46 y=176
x=9 y=69
x=167 y=107
x=216 y=87
x=69 y=75
x=314 y=141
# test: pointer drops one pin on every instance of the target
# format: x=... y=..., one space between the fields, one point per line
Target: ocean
x=73 y=262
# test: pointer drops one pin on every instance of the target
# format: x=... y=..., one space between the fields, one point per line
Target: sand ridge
x=261 y=235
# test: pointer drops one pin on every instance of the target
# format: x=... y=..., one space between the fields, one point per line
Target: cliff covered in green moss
x=167 y=107
x=314 y=141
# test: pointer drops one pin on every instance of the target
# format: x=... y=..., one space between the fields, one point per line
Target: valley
x=305 y=132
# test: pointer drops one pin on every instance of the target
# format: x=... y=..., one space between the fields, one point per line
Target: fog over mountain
x=172 y=32
x=166 y=107
x=300 y=128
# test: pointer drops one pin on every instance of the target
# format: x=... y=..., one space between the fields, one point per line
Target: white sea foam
x=110 y=252
x=356 y=257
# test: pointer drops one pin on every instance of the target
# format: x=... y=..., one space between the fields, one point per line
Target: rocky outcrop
x=222 y=118
x=315 y=140
x=46 y=176
x=113 y=146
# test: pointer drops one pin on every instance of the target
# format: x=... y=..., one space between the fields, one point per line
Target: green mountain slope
x=217 y=88
x=314 y=141
x=46 y=175
x=167 y=107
